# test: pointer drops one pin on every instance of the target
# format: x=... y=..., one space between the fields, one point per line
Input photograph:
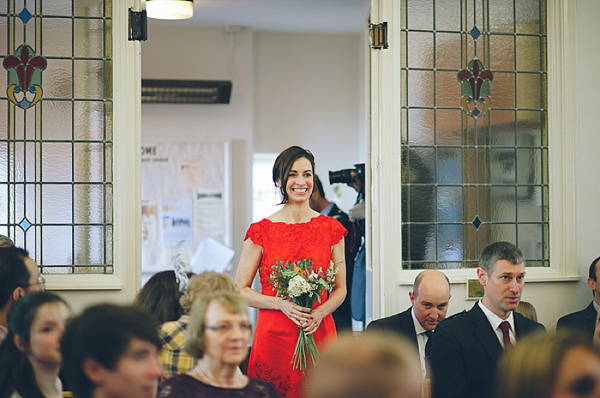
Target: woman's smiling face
x=299 y=184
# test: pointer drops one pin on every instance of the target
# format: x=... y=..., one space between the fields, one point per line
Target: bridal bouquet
x=300 y=284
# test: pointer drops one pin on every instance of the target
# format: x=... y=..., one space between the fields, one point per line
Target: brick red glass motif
x=24 y=76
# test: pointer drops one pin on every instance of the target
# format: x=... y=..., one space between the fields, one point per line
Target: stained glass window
x=474 y=130
x=56 y=132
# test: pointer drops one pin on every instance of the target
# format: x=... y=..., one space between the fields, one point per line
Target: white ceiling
x=316 y=16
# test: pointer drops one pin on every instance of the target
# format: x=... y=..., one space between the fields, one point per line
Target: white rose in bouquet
x=298 y=286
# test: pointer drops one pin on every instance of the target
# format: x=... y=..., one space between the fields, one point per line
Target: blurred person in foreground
x=30 y=356
x=218 y=333
x=364 y=367
x=468 y=345
x=564 y=365
x=172 y=355
x=111 y=351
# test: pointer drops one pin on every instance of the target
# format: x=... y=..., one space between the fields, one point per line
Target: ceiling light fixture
x=170 y=9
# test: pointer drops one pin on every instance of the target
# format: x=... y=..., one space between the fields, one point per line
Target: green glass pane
x=89 y=77
x=89 y=245
x=89 y=162
x=527 y=13
x=90 y=38
x=89 y=120
x=528 y=53
x=529 y=87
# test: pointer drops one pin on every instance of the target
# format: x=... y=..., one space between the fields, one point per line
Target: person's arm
x=249 y=262
x=337 y=296
x=447 y=366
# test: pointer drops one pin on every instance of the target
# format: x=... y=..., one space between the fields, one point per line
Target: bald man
x=429 y=299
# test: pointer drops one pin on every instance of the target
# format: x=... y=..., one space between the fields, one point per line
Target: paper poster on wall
x=176 y=222
x=210 y=212
x=190 y=172
x=211 y=255
x=149 y=223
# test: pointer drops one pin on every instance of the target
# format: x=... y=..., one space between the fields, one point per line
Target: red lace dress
x=275 y=334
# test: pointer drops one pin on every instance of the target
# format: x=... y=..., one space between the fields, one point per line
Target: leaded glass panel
x=56 y=132
x=474 y=130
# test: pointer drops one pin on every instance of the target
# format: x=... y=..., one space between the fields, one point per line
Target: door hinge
x=378 y=34
x=138 y=25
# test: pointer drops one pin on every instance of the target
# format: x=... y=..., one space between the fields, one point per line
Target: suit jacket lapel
x=485 y=334
x=409 y=326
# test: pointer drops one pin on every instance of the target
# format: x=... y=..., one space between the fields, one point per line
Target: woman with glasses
x=30 y=356
x=218 y=334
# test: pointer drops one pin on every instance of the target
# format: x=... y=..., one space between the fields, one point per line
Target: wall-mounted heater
x=186 y=91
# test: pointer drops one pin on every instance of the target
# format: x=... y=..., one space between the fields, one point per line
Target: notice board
x=186 y=205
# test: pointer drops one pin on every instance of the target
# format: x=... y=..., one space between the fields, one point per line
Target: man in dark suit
x=467 y=346
x=429 y=299
x=342 y=316
x=585 y=320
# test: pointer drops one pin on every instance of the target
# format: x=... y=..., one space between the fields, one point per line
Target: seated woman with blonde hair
x=218 y=333
x=550 y=366
x=172 y=356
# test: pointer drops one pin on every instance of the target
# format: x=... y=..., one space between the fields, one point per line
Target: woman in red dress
x=296 y=232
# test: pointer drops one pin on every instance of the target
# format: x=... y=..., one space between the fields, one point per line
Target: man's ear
x=482 y=276
x=411 y=295
x=591 y=283
x=94 y=371
x=18 y=293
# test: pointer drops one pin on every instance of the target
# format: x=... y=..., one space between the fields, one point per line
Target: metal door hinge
x=138 y=25
x=378 y=34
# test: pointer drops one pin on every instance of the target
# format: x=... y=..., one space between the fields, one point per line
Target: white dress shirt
x=495 y=321
x=421 y=341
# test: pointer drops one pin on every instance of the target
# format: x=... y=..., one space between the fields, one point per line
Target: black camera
x=345 y=176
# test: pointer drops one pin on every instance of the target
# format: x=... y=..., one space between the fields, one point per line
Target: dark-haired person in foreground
x=111 y=351
x=585 y=320
x=467 y=346
x=19 y=275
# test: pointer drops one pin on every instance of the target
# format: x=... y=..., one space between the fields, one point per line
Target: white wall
x=308 y=93
x=288 y=89
x=552 y=300
x=206 y=54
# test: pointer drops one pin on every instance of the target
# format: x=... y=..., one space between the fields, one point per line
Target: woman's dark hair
x=160 y=297
x=16 y=373
x=283 y=165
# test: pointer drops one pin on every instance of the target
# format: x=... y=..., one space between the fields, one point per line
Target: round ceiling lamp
x=170 y=9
